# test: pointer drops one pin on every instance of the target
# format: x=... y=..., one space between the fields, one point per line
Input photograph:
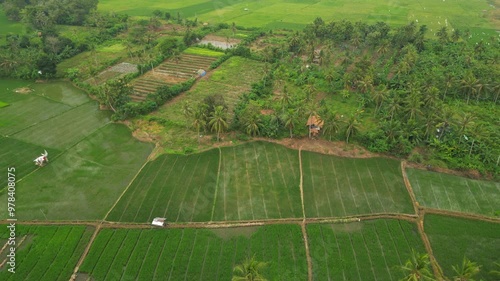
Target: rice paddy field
x=45 y=252
x=462 y=14
x=453 y=238
x=453 y=193
x=368 y=250
x=246 y=182
x=338 y=187
x=194 y=254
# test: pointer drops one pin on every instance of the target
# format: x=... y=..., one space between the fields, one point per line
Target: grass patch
x=448 y=192
x=337 y=187
x=203 y=52
x=47 y=252
x=3 y=104
x=453 y=238
x=370 y=250
x=194 y=254
x=9 y=27
x=83 y=182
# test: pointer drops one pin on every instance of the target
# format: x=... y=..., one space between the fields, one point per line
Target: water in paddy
x=58 y=91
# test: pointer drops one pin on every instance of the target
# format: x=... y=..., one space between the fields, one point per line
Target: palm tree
x=417 y=268
x=351 y=126
x=218 y=120
x=187 y=111
x=251 y=121
x=331 y=124
x=249 y=270
x=199 y=120
x=467 y=271
x=379 y=96
x=289 y=119
x=466 y=120
x=384 y=47
x=393 y=107
x=413 y=104
x=469 y=85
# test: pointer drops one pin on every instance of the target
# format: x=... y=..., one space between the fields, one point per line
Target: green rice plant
x=193 y=254
x=336 y=187
x=365 y=250
x=453 y=238
x=84 y=181
x=203 y=52
x=453 y=193
x=47 y=252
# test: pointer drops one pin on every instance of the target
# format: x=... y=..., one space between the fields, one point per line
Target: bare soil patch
x=219 y=41
x=337 y=148
x=23 y=90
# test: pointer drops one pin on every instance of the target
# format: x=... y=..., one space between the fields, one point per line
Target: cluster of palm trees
x=207 y=117
x=417 y=268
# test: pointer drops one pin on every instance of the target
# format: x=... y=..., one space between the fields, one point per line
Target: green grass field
x=336 y=187
x=251 y=184
x=202 y=52
x=369 y=250
x=45 y=252
x=453 y=193
x=453 y=238
x=460 y=14
x=195 y=254
x=84 y=181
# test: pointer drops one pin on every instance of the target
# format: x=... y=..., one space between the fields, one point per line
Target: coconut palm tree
x=417 y=268
x=218 y=120
x=379 y=96
x=352 y=124
x=187 y=111
x=331 y=124
x=469 y=85
x=289 y=119
x=467 y=271
x=249 y=270
x=199 y=120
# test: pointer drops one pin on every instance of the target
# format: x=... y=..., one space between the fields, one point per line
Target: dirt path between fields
x=303 y=224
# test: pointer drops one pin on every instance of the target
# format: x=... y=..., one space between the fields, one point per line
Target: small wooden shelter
x=315 y=124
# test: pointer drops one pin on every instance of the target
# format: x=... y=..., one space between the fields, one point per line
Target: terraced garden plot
x=258 y=180
x=178 y=187
x=337 y=187
x=194 y=254
x=45 y=252
x=67 y=128
x=368 y=250
x=222 y=82
x=453 y=238
x=453 y=193
x=20 y=155
x=171 y=72
x=83 y=182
